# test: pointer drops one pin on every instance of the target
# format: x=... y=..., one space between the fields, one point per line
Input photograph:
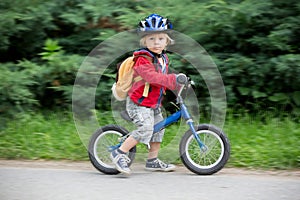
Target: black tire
x=99 y=144
x=210 y=161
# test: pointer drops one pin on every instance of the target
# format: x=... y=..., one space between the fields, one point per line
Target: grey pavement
x=46 y=181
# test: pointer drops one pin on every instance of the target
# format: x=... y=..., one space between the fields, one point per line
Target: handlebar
x=180 y=90
x=186 y=85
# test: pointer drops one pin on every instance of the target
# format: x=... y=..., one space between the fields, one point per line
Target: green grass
x=272 y=144
x=34 y=136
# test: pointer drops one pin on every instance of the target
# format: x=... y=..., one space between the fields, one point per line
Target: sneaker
x=158 y=165
x=121 y=161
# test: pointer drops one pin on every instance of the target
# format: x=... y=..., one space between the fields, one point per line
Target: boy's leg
x=153 y=163
x=156 y=138
x=144 y=120
x=154 y=149
x=128 y=144
x=119 y=157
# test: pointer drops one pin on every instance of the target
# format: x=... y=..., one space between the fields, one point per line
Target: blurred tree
x=255 y=44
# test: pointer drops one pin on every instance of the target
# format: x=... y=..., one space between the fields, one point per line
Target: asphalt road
x=74 y=181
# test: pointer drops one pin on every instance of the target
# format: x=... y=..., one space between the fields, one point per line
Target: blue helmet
x=155 y=23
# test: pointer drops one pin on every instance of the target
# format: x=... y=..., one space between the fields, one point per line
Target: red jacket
x=159 y=80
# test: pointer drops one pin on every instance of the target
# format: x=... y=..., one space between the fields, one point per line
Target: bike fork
x=202 y=146
x=190 y=122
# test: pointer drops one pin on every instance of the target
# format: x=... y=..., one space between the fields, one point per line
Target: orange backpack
x=124 y=79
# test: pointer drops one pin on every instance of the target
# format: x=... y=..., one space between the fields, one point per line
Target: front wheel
x=102 y=142
x=210 y=160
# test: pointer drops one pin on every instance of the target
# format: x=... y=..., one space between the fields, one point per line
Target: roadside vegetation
x=270 y=144
x=254 y=44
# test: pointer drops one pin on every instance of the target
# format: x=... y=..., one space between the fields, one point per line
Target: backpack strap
x=145 y=56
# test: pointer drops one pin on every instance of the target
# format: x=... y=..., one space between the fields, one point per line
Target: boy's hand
x=181 y=78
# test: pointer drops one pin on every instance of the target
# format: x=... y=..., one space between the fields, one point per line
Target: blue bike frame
x=175 y=117
x=183 y=112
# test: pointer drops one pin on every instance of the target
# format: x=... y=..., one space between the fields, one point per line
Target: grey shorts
x=144 y=118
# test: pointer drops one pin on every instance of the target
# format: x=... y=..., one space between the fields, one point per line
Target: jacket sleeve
x=146 y=70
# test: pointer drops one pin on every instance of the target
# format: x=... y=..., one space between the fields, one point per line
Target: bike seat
x=125 y=115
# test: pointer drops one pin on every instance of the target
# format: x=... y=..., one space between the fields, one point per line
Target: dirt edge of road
x=86 y=165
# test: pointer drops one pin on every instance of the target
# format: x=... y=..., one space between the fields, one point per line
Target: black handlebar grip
x=181 y=79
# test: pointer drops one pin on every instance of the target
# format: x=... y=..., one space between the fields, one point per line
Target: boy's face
x=156 y=42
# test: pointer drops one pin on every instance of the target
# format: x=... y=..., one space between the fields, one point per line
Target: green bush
x=254 y=44
x=15 y=84
x=29 y=85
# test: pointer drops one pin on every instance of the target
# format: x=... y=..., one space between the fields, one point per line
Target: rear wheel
x=205 y=162
x=102 y=142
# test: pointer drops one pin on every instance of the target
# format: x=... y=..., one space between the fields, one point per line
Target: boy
x=144 y=109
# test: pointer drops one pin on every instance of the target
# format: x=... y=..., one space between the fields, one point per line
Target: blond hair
x=143 y=40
